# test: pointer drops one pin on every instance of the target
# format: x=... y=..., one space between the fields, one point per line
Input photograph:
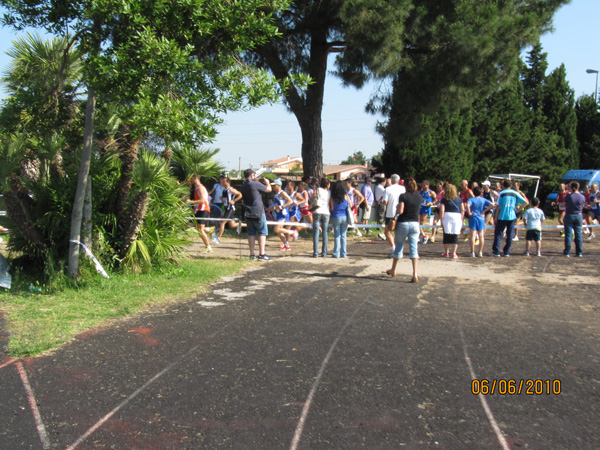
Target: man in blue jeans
x=505 y=216
x=574 y=204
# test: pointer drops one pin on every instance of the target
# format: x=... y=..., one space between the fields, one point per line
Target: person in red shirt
x=200 y=203
x=560 y=199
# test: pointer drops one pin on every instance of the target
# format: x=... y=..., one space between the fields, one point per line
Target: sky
x=247 y=139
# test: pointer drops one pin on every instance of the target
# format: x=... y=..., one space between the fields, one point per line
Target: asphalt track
x=330 y=354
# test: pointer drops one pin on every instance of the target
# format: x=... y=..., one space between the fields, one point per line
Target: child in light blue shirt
x=533 y=219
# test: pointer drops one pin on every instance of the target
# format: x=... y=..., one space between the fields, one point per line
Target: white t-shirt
x=323 y=201
x=534 y=218
x=379 y=193
x=392 y=194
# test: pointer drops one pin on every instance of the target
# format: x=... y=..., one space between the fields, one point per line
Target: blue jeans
x=340 y=227
x=573 y=222
x=501 y=225
x=404 y=229
x=320 y=220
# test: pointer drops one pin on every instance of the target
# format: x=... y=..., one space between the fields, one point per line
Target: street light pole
x=596 y=91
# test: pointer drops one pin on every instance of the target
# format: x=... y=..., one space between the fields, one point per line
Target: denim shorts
x=257 y=226
x=404 y=229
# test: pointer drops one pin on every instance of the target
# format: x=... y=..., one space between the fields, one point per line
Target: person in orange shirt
x=200 y=203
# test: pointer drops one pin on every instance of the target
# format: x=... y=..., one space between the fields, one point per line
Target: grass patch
x=38 y=322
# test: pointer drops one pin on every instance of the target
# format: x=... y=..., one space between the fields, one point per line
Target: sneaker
x=284 y=247
x=432 y=239
x=515 y=238
x=566 y=254
x=472 y=254
x=591 y=236
x=586 y=231
x=358 y=233
x=216 y=240
x=454 y=256
x=445 y=255
x=539 y=254
x=480 y=255
x=525 y=253
x=495 y=254
x=264 y=258
x=207 y=250
x=580 y=255
x=425 y=239
x=506 y=255
x=252 y=257
x=466 y=238
x=562 y=234
x=381 y=236
x=209 y=230
x=295 y=235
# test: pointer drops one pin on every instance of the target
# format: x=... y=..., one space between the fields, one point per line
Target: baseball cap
x=277 y=181
x=486 y=183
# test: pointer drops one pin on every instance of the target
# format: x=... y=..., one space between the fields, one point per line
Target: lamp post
x=596 y=91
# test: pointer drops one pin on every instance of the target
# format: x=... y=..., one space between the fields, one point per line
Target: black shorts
x=450 y=239
x=229 y=214
x=533 y=235
x=202 y=214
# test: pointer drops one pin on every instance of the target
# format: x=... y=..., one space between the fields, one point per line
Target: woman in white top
x=321 y=218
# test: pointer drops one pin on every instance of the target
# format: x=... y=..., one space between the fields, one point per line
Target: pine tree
x=588 y=131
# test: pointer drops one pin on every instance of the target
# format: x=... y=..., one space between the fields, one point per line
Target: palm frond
x=188 y=161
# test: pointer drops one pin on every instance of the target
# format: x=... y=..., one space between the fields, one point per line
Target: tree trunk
x=17 y=203
x=135 y=217
x=128 y=153
x=312 y=145
x=307 y=106
x=82 y=179
x=86 y=228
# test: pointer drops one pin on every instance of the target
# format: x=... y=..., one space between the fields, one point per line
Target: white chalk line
x=39 y=424
x=315 y=385
x=125 y=402
x=484 y=403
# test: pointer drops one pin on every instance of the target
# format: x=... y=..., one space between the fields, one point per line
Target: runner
x=293 y=211
x=519 y=221
x=560 y=201
x=439 y=187
x=302 y=199
x=281 y=202
x=465 y=195
x=356 y=198
x=428 y=197
x=229 y=198
x=199 y=201
x=594 y=209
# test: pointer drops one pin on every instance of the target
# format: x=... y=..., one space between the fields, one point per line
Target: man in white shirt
x=390 y=200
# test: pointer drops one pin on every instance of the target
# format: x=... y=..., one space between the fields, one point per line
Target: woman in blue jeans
x=407 y=225
x=339 y=205
x=573 y=220
x=321 y=218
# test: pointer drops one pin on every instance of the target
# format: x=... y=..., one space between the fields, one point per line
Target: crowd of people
x=403 y=209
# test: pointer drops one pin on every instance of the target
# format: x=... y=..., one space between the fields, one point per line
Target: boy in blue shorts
x=533 y=219
x=477 y=207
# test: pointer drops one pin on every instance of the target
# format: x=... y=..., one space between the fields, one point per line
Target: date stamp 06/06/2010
x=497 y=386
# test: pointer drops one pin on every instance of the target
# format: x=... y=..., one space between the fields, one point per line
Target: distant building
x=343 y=171
x=282 y=166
